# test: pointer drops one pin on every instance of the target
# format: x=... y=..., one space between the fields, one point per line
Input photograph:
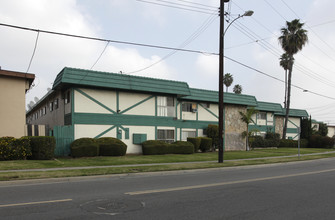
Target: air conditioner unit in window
x=194 y=110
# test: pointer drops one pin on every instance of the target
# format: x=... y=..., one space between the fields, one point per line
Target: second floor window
x=165 y=106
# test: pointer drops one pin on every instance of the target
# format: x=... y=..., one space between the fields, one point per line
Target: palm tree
x=247 y=118
x=284 y=62
x=228 y=80
x=237 y=89
x=292 y=40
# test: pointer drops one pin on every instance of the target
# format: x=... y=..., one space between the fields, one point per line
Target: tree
x=284 y=62
x=228 y=80
x=237 y=89
x=293 y=38
x=247 y=118
x=323 y=129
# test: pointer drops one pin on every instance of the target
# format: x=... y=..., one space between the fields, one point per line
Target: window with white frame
x=261 y=115
x=165 y=106
x=186 y=134
x=56 y=103
x=51 y=106
x=166 y=135
x=67 y=97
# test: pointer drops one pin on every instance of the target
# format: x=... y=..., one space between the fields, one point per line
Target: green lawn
x=146 y=159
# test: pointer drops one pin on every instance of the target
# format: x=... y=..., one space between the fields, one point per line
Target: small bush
x=196 y=142
x=84 y=147
x=154 y=147
x=181 y=147
x=14 y=149
x=42 y=147
x=318 y=141
x=288 y=143
x=213 y=132
x=205 y=144
x=256 y=142
x=109 y=146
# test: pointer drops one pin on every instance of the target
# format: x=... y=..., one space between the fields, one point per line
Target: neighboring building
x=94 y=104
x=331 y=131
x=13 y=87
x=294 y=122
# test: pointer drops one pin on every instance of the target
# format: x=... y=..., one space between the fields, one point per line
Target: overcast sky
x=252 y=41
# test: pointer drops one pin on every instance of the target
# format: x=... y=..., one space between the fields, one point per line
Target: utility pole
x=221 y=57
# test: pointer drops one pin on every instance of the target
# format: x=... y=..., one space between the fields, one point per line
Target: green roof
x=72 y=76
x=269 y=107
x=295 y=113
x=213 y=96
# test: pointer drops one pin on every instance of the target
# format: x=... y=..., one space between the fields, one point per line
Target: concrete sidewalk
x=151 y=164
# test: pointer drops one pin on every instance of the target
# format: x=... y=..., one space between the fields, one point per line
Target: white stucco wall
x=127 y=100
x=85 y=105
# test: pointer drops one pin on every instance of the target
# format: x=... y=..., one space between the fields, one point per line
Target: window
x=165 y=135
x=56 y=103
x=165 y=106
x=205 y=105
x=261 y=115
x=186 y=134
x=51 y=106
x=44 y=110
x=67 y=97
x=187 y=107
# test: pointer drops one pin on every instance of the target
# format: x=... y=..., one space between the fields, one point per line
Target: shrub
x=42 y=147
x=109 y=146
x=318 y=141
x=84 y=147
x=288 y=143
x=181 y=147
x=213 y=132
x=14 y=149
x=256 y=142
x=154 y=147
x=196 y=142
x=205 y=144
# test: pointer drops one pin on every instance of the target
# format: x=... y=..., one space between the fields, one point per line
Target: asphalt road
x=302 y=190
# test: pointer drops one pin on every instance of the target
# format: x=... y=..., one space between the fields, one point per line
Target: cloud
x=55 y=52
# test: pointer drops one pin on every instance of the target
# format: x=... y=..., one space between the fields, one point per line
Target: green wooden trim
x=137 y=104
x=106 y=131
x=118 y=133
x=180 y=133
x=292 y=130
x=156 y=132
x=156 y=106
x=126 y=132
x=94 y=100
x=197 y=118
x=181 y=110
x=176 y=109
x=72 y=106
x=209 y=111
x=117 y=101
x=176 y=134
x=263 y=128
x=293 y=123
x=136 y=120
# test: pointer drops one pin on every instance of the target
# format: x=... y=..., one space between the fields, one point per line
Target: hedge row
x=106 y=146
x=318 y=141
x=35 y=148
x=153 y=147
x=203 y=144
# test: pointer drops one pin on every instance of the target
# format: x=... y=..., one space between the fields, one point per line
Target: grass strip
x=148 y=159
x=7 y=176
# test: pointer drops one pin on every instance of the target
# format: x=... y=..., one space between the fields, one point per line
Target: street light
x=221 y=70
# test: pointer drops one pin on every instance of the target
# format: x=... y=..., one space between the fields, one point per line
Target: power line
x=209 y=6
x=277 y=79
x=32 y=56
x=100 y=55
x=109 y=40
x=171 y=5
x=201 y=29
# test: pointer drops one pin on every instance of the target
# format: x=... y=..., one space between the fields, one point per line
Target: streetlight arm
x=247 y=13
